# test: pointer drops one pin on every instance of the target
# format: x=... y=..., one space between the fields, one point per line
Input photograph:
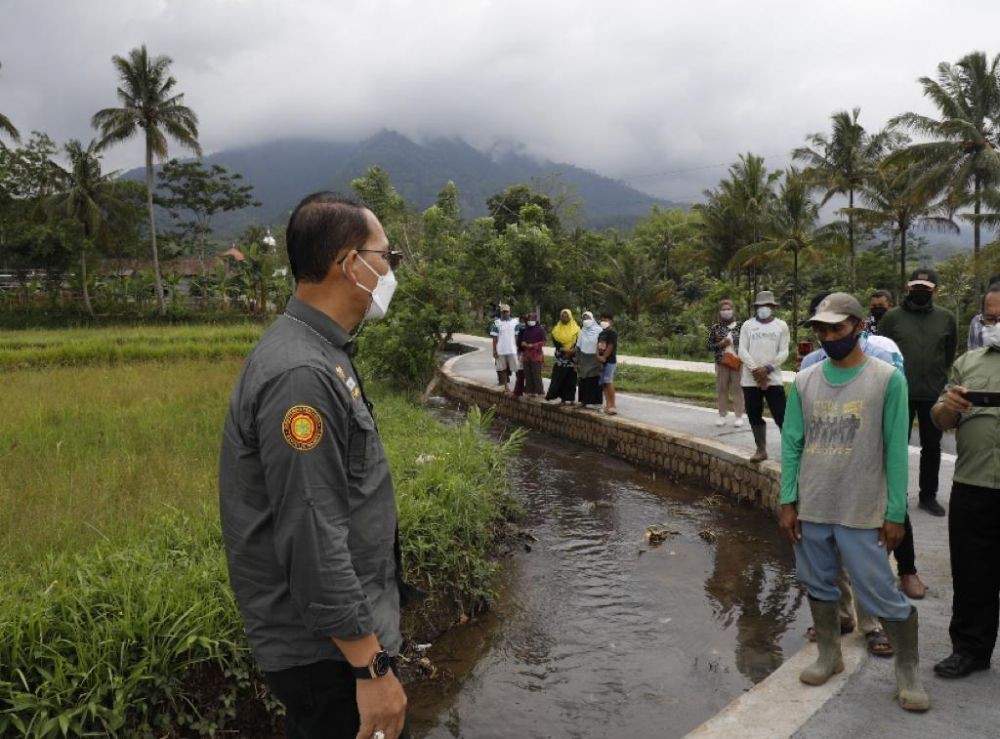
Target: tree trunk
x=795 y=295
x=902 y=263
x=976 y=236
x=853 y=277
x=152 y=227
x=83 y=279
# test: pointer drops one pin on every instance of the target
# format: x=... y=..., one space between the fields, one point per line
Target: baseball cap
x=923 y=277
x=834 y=308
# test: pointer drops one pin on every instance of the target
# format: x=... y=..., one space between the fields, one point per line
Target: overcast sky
x=657 y=94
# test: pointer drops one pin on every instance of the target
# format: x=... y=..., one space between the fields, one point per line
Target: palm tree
x=633 y=282
x=841 y=163
x=148 y=105
x=963 y=158
x=793 y=233
x=8 y=128
x=898 y=198
x=90 y=199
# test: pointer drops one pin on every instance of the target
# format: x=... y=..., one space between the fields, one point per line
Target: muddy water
x=597 y=633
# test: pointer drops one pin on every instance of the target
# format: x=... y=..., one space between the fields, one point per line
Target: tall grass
x=116 y=616
x=76 y=347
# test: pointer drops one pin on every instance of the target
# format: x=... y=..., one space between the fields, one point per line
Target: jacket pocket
x=361 y=437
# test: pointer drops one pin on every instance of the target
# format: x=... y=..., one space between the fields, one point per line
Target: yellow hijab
x=566 y=333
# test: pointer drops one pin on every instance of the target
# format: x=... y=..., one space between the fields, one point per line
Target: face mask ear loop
x=371 y=297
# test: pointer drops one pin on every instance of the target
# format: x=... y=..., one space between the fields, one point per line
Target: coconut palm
x=793 y=234
x=963 y=157
x=897 y=197
x=633 y=283
x=8 y=128
x=149 y=105
x=88 y=198
x=841 y=162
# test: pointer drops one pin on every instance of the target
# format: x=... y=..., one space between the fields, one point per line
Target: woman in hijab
x=564 y=336
x=532 y=340
x=588 y=368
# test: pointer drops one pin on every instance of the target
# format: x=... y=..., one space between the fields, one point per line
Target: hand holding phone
x=982 y=398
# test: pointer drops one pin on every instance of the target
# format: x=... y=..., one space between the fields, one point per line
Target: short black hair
x=887 y=294
x=993 y=280
x=322 y=226
x=817 y=299
x=607 y=315
x=993 y=289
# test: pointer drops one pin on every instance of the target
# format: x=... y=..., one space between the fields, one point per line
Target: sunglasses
x=393 y=257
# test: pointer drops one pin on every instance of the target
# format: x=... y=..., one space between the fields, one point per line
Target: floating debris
x=658 y=534
x=422 y=647
x=707 y=535
x=427 y=667
x=712 y=501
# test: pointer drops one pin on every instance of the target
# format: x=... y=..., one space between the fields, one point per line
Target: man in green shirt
x=974 y=515
x=843 y=491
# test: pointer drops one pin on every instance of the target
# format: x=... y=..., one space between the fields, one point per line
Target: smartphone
x=983 y=398
x=805 y=347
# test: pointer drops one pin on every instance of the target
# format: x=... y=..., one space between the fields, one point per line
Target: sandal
x=878 y=644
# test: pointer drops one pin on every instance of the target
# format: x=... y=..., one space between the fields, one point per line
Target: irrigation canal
x=599 y=634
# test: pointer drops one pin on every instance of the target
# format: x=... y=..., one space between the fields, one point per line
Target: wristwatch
x=379 y=666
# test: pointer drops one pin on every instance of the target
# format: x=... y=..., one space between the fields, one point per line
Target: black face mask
x=840 y=348
x=920 y=298
x=878 y=312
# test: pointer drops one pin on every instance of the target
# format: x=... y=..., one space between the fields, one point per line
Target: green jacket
x=927 y=337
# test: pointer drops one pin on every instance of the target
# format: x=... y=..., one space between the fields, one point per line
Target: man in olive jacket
x=927 y=335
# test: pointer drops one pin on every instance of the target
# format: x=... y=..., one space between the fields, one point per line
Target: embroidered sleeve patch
x=302 y=427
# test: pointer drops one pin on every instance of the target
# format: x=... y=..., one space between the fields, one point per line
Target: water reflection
x=599 y=635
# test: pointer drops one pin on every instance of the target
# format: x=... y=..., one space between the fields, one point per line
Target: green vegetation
x=114 y=599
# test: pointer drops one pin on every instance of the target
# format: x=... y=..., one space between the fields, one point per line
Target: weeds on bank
x=116 y=616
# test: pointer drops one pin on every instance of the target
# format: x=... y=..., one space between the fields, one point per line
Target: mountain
x=283 y=171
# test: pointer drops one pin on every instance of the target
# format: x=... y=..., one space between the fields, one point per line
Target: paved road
x=865 y=707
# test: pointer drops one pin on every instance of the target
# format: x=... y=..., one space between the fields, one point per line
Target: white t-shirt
x=760 y=344
x=506 y=334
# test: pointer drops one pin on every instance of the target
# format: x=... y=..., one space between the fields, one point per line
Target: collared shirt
x=978 y=433
x=306 y=498
x=975 y=338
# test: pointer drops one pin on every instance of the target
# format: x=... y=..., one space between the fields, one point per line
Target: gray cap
x=836 y=307
x=765 y=297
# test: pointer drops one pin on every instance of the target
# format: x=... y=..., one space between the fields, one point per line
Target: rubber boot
x=909 y=690
x=759 y=436
x=826 y=621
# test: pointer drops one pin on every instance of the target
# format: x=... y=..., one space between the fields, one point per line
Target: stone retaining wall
x=681 y=455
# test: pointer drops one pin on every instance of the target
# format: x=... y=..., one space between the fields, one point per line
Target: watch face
x=381 y=663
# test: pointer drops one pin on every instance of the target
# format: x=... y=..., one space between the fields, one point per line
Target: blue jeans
x=818 y=566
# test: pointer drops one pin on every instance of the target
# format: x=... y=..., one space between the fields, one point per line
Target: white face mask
x=763 y=313
x=531 y=323
x=381 y=295
x=991 y=336
x=605 y=324
x=588 y=322
x=725 y=315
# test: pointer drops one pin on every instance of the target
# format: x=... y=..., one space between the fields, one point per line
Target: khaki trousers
x=727 y=381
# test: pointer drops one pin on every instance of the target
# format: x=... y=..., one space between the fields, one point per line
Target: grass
x=115 y=608
x=117 y=345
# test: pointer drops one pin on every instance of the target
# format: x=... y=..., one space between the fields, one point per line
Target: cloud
x=662 y=95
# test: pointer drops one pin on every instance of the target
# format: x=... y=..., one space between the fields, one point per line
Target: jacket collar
x=322 y=324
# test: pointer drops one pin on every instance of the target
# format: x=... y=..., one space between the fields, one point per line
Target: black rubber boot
x=759 y=436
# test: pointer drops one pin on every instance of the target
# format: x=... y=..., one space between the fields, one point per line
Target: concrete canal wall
x=715 y=465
